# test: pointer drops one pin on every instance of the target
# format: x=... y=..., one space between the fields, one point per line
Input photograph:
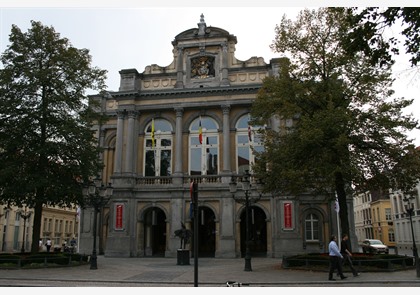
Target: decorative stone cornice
x=189 y=92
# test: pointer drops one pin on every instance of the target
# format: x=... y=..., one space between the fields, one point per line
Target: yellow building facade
x=16 y=227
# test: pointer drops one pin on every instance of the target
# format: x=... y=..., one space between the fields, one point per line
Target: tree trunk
x=36 y=232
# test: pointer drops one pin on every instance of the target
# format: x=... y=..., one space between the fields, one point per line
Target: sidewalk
x=211 y=272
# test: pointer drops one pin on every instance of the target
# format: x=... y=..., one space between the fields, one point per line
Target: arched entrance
x=206 y=232
x=154 y=232
x=257 y=232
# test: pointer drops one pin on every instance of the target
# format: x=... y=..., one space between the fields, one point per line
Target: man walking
x=345 y=251
x=48 y=244
x=335 y=257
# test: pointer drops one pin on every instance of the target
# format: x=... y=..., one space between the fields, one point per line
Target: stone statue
x=184 y=234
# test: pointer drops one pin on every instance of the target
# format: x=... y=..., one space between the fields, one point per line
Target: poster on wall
x=287 y=215
x=119 y=216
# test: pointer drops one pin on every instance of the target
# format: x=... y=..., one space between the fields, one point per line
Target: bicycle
x=235 y=284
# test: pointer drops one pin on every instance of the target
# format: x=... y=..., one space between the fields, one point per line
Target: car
x=374 y=246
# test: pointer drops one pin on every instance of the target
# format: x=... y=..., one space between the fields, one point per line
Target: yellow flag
x=153 y=133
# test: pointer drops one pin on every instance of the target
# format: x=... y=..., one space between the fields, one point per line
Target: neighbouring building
x=188 y=121
x=384 y=216
x=16 y=227
x=403 y=228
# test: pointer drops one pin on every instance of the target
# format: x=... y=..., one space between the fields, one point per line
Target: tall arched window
x=311 y=228
x=248 y=140
x=158 y=148
x=204 y=147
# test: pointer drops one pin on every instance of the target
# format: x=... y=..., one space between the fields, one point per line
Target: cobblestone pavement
x=210 y=272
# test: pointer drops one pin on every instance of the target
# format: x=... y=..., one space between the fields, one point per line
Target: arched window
x=248 y=140
x=204 y=147
x=158 y=148
x=311 y=228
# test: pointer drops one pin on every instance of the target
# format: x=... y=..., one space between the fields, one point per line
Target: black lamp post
x=25 y=215
x=409 y=207
x=97 y=196
x=247 y=200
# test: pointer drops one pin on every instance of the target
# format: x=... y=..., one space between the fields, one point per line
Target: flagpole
x=337 y=210
x=153 y=132
x=78 y=210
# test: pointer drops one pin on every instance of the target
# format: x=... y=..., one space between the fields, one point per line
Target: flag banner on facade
x=191 y=210
x=249 y=128
x=153 y=133
x=336 y=205
x=200 y=132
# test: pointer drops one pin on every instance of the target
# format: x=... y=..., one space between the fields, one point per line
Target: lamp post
x=247 y=200
x=97 y=196
x=25 y=215
x=409 y=207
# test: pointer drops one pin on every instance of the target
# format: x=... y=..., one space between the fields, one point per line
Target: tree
x=47 y=143
x=347 y=130
x=368 y=28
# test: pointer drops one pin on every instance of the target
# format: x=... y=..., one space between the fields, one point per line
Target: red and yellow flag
x=200 y=132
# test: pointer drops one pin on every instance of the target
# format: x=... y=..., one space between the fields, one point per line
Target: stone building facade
x=16 y=227
x=188 y=121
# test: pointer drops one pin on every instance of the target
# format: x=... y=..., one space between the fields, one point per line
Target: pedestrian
x=72 y=245
x=335 y=256
x=40 y=245
x=48 y=244
x=345 y=251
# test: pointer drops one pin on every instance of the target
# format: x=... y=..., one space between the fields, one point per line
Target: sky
x=125 y=35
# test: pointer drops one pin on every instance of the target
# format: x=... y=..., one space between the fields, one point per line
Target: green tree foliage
x=47 y=142
x=340 y=128
x=368 y=28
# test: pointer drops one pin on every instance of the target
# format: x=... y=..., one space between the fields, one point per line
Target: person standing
x=48 y=245
x=335 y=257
x=345 y=251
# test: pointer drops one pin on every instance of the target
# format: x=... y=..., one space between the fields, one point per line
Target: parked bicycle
x=235 y=284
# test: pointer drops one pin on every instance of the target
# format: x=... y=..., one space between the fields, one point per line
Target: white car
x=374 y=247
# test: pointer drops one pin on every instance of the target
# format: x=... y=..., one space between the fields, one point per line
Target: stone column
x=226 y=247
x=119 y=141
x=102 y=155
x=226 y=138
x=179 y=69
x=178 y=145
x=129 y=163
x=225 y=80
x=176 y=216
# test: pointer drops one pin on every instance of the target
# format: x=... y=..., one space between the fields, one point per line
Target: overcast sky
x=126 y=35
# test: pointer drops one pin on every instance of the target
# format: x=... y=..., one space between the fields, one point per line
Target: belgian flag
x=200 y=132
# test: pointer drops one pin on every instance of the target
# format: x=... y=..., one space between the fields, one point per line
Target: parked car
x=374 y=247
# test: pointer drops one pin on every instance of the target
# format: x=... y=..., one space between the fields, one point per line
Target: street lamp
x=409 y=208
x=97 y=196
x=247 y=200
x=25 y=215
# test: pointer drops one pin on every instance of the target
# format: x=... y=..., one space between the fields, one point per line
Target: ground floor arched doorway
x=154 y=232
x=257 y=232
x=206 y=232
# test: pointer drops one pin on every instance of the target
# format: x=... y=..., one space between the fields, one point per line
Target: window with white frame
x=388 y=216
x=311 y=228
x=158 y=148
x=248 y=142
x=391 y=235
x=204 y=146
